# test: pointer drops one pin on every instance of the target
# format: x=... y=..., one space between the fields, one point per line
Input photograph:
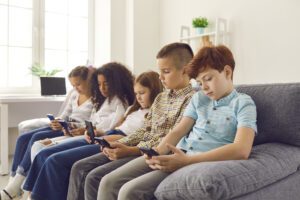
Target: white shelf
x=198 y=36
x=218 y=35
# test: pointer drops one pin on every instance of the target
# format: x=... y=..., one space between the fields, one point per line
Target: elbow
x=244 y=155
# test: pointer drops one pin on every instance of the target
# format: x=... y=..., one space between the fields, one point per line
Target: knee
x=107 y=182
x=36 y=137
x=23 y=139
x=127 y=191
x=76 y=168
x=43 y=155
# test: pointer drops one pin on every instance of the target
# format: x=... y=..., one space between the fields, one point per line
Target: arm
x=180 y=130
x=120 y=110
x=239 y=150
x=67 y=110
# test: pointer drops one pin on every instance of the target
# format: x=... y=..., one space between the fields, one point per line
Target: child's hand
x=168 y=163
x=46 y=142
x=55 y=125
x=117 y=151
x=77 y=131
x=87 y=137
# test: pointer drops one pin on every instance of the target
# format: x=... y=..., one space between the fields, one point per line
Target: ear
x=228 y=71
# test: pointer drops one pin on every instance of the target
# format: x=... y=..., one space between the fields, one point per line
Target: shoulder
x=200 y=98
x=243 y=100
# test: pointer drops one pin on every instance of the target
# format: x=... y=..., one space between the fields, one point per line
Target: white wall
x=127 y=32
x=264 y=34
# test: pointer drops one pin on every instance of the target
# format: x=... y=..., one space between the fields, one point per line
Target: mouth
x=209 y=94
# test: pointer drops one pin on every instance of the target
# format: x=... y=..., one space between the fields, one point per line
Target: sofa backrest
x=278 y=112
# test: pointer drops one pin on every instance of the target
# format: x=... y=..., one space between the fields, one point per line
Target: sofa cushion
x=267 y=164
x=278 y=116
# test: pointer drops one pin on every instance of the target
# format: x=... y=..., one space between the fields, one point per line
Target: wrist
x=134 y=151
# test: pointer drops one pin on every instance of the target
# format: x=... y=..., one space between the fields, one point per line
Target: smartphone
x=65 y=125
x=149 y=151
x=102 y=142
x=90 y=130
x=50 y=116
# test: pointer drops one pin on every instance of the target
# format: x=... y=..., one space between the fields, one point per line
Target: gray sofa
x=273 y=170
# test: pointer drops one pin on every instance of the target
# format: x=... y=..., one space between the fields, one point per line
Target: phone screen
x=50 y=116
x=149 y=151
x=65 y=125
x=102 y=142
x=90 y=130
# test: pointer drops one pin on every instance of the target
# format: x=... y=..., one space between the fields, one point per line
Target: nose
x=161 y=77
x=204 y=86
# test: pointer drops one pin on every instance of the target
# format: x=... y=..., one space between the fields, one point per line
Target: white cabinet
x=215 y=35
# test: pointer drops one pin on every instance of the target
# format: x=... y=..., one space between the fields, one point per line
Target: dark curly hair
x=120 y=84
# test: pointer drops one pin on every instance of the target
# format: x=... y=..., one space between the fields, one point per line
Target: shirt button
x=227 y=118
x=214 y=108
x=208 y=122
x=191 y=148
x=206 y=131
x=199 y=138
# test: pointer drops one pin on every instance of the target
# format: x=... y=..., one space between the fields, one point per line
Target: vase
x=199 y=30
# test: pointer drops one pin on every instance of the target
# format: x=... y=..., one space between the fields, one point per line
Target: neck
x=184 y=84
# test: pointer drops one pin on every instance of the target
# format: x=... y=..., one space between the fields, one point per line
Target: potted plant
x=37 y=70
x=199 y=23
x=49 y=85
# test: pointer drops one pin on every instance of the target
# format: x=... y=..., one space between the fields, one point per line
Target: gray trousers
x=133 y=180
x=87 y=173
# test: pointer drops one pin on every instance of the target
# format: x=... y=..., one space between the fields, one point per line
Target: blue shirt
x=216 y=122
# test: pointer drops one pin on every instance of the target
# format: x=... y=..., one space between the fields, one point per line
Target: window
x=54 y=33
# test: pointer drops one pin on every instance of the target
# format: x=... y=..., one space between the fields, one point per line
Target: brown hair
x=215 y=57
x=180 y=53
x=84 y=73
x=79 y=71
x=149 y=80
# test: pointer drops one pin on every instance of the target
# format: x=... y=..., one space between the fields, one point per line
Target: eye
x=208 y=79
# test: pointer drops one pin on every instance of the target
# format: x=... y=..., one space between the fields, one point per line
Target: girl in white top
x=79 y=108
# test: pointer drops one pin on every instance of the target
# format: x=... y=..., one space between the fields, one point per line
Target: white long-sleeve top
x=108 y=115
x=78 y=112
x=133 y=121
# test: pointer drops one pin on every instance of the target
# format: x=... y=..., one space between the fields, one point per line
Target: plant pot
x=199 y=30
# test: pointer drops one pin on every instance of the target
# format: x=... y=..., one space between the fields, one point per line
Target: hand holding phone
x=149 y=151
x=103 y=143
x=65 y=125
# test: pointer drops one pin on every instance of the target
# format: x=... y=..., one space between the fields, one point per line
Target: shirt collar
x=181 y=92
x=225 y=100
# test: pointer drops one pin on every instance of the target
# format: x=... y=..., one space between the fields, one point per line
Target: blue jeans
x=49 y=175
x=21 y=160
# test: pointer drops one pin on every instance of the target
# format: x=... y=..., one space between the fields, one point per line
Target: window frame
x=38 y=45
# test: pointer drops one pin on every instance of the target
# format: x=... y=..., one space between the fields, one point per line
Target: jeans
x=49 y=175
x=22 y=161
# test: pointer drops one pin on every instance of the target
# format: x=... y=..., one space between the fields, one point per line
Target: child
x=78 y=108
x=218 y=124
x=165 y=112
x=146 y=87
x=113 y=85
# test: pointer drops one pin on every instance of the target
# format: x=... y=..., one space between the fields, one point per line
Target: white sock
x=14 y=187
x=11 y=178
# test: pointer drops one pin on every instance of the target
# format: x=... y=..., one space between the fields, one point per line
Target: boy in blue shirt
x=218 y=124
